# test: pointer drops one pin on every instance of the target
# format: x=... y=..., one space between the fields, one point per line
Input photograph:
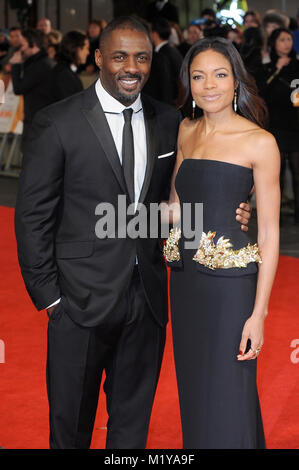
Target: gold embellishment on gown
x=171 y=249
x=219 y=256
x=222 y=256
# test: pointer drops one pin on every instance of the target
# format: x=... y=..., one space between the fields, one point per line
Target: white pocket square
x=166 y=154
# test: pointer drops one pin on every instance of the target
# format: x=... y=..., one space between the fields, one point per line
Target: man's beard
x=124 y=98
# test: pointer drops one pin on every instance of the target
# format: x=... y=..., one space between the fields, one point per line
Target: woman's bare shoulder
x=257 y=143
x=186 y=127
x=264 y=146
x=261 y=138
x=254 y=134
x=245 y=125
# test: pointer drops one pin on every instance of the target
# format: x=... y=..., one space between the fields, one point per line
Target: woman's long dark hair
x=250 y=104
x=272 y=44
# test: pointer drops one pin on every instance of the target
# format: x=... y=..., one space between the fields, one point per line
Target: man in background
x=15 y=41
x=44 y=25
x=30 y=67
x=166 y=64
x=162 y=9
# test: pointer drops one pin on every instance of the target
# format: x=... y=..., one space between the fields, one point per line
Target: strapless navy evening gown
x=218 y=395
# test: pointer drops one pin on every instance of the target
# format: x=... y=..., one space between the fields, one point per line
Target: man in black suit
x=30 y=67
x=163 y=83
x=112 y=292
x=106 y=297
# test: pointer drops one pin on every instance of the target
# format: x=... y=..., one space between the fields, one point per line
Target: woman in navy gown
x=220 y=289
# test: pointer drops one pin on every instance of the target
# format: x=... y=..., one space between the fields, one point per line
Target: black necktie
x=128 y=153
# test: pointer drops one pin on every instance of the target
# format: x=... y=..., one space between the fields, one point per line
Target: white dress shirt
x=113 y=110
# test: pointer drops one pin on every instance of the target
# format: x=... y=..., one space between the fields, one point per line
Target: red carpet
x=23 y=403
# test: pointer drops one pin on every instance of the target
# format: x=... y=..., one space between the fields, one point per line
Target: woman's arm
x=266 y=167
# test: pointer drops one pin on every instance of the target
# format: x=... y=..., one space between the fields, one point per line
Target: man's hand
x=243 y=215
x=16 y=58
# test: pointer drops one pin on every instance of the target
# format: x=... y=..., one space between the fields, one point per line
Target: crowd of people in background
x=47 y=66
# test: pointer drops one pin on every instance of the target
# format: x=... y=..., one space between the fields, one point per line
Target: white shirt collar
x=157 y=48
x=110 y=104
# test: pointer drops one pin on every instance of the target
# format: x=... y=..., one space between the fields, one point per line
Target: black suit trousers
x=129 y=348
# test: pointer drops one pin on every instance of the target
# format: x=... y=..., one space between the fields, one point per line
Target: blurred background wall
x=69 y=14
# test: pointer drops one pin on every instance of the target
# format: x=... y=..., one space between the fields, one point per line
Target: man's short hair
x=274 y=18
x=35 y=37
x=122 y=22
x=162 y=27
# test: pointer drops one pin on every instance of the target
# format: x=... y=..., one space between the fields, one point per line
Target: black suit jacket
x=30 y=79
x=70 y=166
x=63 y=82
x=163 y=82
x=169 y=12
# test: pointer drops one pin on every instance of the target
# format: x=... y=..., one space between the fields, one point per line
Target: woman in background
x=271 y=21
x=252 y=19
x=280 y=73
x=94 y=30
x=54 y=39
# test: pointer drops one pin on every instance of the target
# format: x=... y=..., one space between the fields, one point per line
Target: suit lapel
x=150 y=131
x=94 y=114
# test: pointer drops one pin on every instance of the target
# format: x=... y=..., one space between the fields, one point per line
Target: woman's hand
x=253 y=330
x=282 y=62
